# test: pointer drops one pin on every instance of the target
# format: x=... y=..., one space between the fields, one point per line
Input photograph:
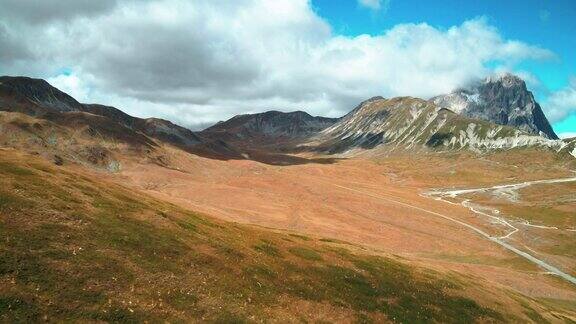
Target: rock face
x=503 y=100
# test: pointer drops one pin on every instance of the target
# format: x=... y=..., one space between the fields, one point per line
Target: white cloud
x=374 y=4
x=72 y=85
x=561 y=103
x=567 y=135
x=203 y=61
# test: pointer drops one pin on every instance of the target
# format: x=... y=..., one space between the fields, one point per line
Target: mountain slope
x=412 y=123
x=160 y=129
x=34 y=96
x=271 y=127
x=76 y=247
x=37 y=98
x=503 y=100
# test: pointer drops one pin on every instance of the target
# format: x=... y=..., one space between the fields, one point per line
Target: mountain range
x=407 y=123
x=496 y=113
x=92 y=122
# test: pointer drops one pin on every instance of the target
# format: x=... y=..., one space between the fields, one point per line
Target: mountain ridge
x=37 y=91
x=270 y=128
x=37 y=98
x=414 y=123
x=449 y=122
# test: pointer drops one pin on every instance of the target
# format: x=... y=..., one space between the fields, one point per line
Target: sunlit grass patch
x=306 y=253
x=302 y=237
x=268 y=248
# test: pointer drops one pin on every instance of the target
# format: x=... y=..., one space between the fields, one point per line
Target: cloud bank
x=562 y=103
x=197 y=62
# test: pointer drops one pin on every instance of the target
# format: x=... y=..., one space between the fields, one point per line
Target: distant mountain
x=269 y=127
x=34 y=96
x=496 y=114
x=161 y=129
x=503 y=100
x=37 y=98
x=412 y=123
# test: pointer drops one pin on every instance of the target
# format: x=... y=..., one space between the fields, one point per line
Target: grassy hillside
x=76 y=248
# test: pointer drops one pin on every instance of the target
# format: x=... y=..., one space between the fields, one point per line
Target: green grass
x=268 y=248
x=11 y=202
x=512 y=262
x=330 y=240
x=12 y=169
x=20 y=310
x=559 y=303
x=545 y=215
x=302 y=237
x=306 y=253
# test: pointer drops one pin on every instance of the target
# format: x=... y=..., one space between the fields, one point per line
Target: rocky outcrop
x=503 y=100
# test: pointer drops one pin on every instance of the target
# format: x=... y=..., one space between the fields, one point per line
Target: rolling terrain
x=78 y=249
x=280 y=215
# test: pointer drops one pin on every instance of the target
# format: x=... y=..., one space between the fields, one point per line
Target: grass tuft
x=268 y=248
x=306 y=253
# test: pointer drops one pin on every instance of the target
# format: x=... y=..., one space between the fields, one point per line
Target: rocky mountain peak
x=507 y=80
x=502 y=99
x=39 y=92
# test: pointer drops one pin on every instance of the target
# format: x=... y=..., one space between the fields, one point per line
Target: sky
x=197 y=62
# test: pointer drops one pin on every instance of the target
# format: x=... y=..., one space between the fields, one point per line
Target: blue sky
x=550 y=24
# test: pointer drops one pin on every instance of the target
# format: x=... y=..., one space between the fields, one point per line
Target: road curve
x=552 y=269
x=514 y=186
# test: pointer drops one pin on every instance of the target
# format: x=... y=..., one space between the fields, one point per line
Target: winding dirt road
x=498 y=240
